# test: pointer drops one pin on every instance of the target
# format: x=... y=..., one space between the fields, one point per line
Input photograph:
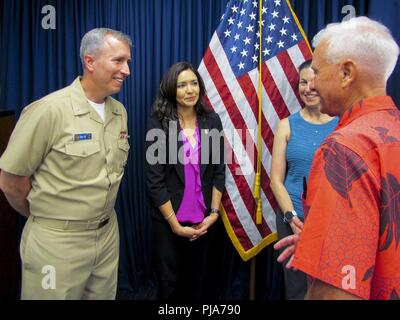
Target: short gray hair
x=94 y=40
x=364 y=40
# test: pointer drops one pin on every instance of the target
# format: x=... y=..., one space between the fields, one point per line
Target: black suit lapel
x=179 y=166
x=204 y=127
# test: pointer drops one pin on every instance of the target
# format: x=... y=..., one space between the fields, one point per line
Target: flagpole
x=257 y=187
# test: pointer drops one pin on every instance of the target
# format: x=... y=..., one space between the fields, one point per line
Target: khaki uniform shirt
x=75 y=161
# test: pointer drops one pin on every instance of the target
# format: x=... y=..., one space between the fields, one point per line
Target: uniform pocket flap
x=123 y=144
x=82 y=149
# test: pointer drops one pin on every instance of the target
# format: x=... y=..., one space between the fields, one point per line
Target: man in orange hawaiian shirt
x=350 y=243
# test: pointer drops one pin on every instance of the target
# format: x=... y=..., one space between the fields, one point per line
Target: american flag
x=230 y=69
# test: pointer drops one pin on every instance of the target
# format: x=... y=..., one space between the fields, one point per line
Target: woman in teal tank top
x=296 y=140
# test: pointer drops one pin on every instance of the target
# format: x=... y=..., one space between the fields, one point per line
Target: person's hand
x=186 y=232
x=290 y=243
x=203 y=227
x=296 y=225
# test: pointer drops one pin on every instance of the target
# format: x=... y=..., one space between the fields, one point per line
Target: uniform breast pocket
x=82 y=159
x=82 y=149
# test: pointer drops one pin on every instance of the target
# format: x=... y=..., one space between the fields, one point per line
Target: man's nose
x=125 y=69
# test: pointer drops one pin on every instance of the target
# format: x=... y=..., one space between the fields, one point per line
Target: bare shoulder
x=284 y=128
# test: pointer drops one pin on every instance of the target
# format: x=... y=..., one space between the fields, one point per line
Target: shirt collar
x=366 y=106
x=80 y=104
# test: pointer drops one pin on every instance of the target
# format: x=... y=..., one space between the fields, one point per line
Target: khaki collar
x=80 y=104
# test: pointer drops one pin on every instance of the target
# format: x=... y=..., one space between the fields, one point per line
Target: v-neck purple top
x=192 y=208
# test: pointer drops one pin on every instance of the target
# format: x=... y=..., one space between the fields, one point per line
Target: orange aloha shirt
x=352 y=231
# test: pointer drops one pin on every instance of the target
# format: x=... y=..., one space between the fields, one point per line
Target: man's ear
x=348 y=73
x=89 y=61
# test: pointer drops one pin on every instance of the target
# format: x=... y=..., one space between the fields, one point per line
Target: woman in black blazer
x=185 y=181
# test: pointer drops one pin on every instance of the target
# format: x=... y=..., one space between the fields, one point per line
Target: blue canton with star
x=239 y=32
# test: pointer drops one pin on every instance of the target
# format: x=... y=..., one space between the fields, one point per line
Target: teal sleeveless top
x=305 y=139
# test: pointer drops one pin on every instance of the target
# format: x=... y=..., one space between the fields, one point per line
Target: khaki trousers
x=60 y=264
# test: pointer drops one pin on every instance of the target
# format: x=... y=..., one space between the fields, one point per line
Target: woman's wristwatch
x=214 y=210
x=289 y=215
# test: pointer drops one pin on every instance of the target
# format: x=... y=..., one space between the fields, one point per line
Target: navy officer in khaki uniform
x=62 y=170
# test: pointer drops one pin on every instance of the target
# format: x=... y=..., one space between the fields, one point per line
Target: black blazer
x=167 y=181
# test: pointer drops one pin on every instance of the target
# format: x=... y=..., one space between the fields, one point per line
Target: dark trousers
x=295 y=281
x=180 y=264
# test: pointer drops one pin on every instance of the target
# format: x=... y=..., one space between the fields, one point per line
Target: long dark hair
x=165 y=107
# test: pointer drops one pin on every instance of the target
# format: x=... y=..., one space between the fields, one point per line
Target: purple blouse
x=192 y=207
